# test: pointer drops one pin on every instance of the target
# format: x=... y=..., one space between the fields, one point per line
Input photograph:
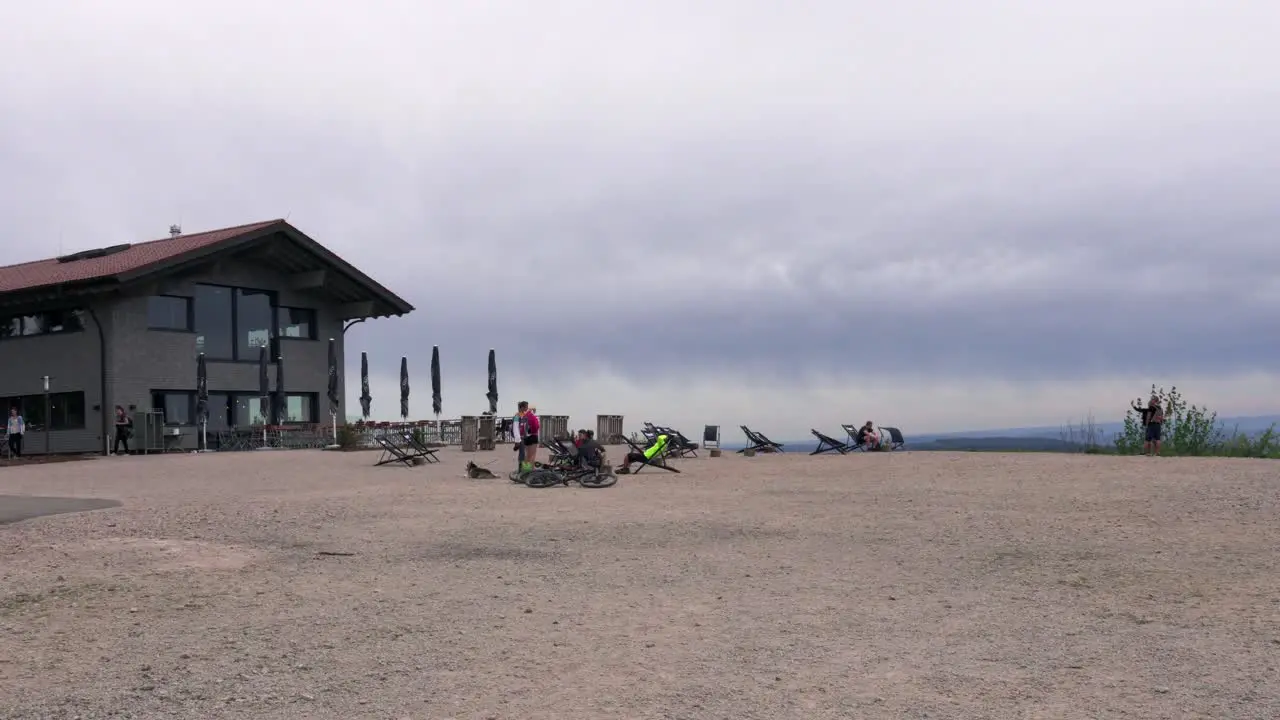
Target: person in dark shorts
x=529 y=427
x=1153 y=424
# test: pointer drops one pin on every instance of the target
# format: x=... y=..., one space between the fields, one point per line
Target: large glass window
x=214 y=322
x=65 y=410
x=166 y=312
x=178 y=406
x=64 y=321
x=219 y=411
x=32 y=409
x=255 y=316
x=55 y=321
x=244 y=409
x=297 y=323
x=300 y=408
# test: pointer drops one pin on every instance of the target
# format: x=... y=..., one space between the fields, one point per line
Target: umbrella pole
x=204 y=435
x=334 y=416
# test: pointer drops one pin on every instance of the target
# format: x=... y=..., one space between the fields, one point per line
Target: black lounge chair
x=758 y=442
x=677 y=444
x=418 y=448
x=828 y=444
x=391 y=453
x=657 y=461
x=711 y=437
x=560 y=454
x=896 y=442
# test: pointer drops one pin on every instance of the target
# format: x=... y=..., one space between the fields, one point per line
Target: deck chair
x=659 y=459
x=680 y=445
x=758 y=442
x=827 y=444
x=417 y=448
x=896 y=441
x=391 y=453
x=558 y=453
x=711 y=437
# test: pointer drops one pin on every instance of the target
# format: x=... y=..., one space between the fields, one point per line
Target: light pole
x=47 y=412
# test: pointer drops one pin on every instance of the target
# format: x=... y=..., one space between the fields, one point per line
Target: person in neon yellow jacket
x=654 y=450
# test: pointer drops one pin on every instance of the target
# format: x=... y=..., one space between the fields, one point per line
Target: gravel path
x=903 y=585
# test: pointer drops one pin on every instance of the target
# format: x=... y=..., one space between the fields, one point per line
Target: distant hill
x=1245 y=424
x=998 y=444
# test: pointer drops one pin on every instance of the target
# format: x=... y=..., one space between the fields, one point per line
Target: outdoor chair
x=659 y=460
x=827 y=444
x=418 y=448
x=558 y=452
x=391 y=453
x=711 y=437
x=681 y=445
x=758 y=442
x=895 y=440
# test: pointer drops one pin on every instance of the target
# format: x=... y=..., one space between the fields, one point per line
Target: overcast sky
x=935 y=215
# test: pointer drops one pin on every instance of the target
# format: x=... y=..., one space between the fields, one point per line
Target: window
x=219 y=411
x=297 y=323
x=300 y=408
x=255 y=322
x=64 y=321
x=166 y=312
x=233 y=323
x=46 y=323
x=65 y=410
x=32 y=324
x=244 y=409
x=214 y=322
x=179 y=406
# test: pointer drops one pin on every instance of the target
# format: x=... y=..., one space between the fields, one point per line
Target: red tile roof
x=41 y=273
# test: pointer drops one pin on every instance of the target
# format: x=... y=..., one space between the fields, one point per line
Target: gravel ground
x=904 y=585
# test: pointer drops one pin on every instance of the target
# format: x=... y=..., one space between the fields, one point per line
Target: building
x=123 y=326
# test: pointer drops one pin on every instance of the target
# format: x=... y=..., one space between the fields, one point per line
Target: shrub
x=1194 y=430
x=348 y=439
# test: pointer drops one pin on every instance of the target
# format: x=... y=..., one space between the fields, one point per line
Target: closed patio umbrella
x=493 y=382
x=334 y=400
x=404 y=388
x=282 y=409
x=365 y=400
x=202 y=400
x=436 y=403
x=264 y=391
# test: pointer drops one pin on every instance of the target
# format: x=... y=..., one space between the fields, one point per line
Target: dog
x=476 y=472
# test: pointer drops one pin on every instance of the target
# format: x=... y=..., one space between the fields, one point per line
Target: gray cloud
x=843 y=188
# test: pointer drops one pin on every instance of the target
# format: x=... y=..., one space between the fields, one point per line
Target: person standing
x=16 y=428
x=529 y=427
x=1153 y=423
x=124 y=430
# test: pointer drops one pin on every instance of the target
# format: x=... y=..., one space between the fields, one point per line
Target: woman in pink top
x=529 y=428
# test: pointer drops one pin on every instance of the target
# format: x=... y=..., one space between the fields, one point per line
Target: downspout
x=102 y=361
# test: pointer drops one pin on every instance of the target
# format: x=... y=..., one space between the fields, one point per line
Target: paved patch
x=16 y=508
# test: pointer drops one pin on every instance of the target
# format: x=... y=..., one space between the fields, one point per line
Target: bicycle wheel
x=603 y=479
x=543 y=479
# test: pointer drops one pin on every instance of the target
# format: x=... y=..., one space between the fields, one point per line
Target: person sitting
x=868 y=438
x=658 y=445
x=590 y=453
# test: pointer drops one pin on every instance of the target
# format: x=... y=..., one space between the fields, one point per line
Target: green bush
x=348 y=439
x=1193 y=430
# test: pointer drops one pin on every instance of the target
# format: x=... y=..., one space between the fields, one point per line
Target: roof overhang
x=306 y=264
